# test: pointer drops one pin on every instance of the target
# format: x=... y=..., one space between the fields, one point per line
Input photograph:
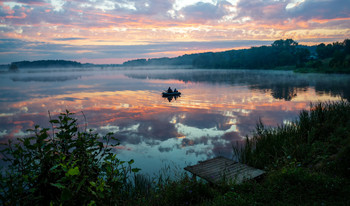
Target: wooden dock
x=222 y=170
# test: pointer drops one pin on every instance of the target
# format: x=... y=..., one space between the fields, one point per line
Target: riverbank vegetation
x=307 y=163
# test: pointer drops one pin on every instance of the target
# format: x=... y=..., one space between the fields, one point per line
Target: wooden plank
x=221 y=169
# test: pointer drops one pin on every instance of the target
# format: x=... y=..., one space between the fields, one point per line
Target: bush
x=314 y=64
x=64 y=166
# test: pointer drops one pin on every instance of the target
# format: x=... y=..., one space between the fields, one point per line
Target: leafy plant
x=64 y=166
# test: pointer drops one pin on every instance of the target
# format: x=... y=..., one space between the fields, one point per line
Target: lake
x=217 y=108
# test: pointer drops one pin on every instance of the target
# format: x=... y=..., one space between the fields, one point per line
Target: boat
x=168 y=94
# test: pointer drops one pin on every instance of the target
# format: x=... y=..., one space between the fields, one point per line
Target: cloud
x=11 y=44
x=262 y=10
x=68 y=39
x=206 y=120
x=202 y=12
x=160 y=148
x=325 y=9
x=281 y=11
x=155 y=28
x=33 y=2
x=29 y=50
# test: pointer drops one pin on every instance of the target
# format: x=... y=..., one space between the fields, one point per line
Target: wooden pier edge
x=220 y=170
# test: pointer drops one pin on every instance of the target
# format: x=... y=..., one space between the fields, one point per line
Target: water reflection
x=217 y=108
x=281 y=84
x=45 y=78
x=172 y=97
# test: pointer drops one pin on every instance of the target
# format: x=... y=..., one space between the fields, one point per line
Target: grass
x=319 y=139
x=307 y=163
x=293 y=186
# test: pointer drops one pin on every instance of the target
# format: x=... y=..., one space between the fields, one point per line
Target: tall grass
x=319 y=139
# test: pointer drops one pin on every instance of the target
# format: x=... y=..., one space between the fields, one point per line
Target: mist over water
x=217 y=108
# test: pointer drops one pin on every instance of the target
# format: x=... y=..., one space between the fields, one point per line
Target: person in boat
x=175 y=90
x=170 y=90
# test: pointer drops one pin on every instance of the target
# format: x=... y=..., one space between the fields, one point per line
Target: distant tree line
x=181 y=60
x=281 y=53
x=44 y=64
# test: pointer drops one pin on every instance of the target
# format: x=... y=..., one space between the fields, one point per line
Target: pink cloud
x=145 y=22
x=23 y=16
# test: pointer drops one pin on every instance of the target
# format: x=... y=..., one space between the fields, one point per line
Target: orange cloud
x=322 y=21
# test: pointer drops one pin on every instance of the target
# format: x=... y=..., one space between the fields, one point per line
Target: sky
x=114 y=31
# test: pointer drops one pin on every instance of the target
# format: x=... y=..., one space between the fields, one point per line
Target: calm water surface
x=216 y=109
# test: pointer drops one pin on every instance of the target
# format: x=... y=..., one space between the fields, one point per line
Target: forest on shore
x=282 y=54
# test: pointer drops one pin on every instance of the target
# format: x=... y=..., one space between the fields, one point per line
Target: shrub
x=66 y=167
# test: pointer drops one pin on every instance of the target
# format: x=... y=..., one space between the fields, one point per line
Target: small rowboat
x=168 y=94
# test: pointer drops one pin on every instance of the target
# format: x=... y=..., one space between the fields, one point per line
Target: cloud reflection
x=216 y=109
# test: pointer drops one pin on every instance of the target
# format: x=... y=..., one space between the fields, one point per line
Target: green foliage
x=185 y=191
x=288 y=186
x=68 y=167
x=284 y=43
x=314 y=64
x=319 y=138
x=324 y=51
x=332 y=58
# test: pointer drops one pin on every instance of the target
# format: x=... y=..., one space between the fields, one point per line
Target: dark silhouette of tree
x=324 y=51
x=284 y=92
x=13 y=68
x=302 y=56
x=346 y=45
x=284 y=43
x=46 y=64
x=280 y=53
x=136 y=62
x=338 y=59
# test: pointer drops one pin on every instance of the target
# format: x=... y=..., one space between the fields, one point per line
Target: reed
x=319 y=139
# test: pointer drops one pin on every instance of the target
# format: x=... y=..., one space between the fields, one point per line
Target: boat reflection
x=170 y=94
x=172 y=97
